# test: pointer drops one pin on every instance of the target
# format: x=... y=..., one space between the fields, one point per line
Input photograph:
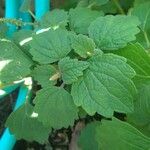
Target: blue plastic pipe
x=26 y=17
x=7 y=90
x=8 y=140
x=41 y=7
x=12 y=11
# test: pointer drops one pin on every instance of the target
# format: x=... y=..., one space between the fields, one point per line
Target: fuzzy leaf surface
x=120 y=136
x=106 y=86
x=55 y=107
x=113 y=32
x=23 y=125
x=80 y=19
x=82 y=45
x=15 y=65
x=43 y=73
x=55 y=18
x=137 y=57
x=50 y=46
x=71 y=69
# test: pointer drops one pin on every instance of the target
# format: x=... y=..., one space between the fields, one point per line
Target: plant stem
x=32 y=14
x=119 y=7
x=15 y=22
x=146 y=39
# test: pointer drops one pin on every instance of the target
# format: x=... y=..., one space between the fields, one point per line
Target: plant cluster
x=92 y=60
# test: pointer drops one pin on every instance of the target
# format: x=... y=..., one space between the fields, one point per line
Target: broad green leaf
x=113 y=32
x=119 y=135
x=50 y=46
x=90 y=3
x=43 y=75
x=26 y=6
x=55 y=107
x=71 y=69
x=80 y=19
x=109 y=8
x=14 y=64
x=143 y=39
x=3 y=30
x=21 y=35
x=22 y=38
x=87 y=139
x=82 y=45
x=24 y=125
x=137 y=57
x=142 y=11
x=55 y=18
x=106 y=86
x=139 y=2
x=141 y=114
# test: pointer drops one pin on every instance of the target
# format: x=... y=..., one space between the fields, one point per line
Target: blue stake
x=8 y=140
x=12 y=7
x=7 y=90
x=41 y=7
x=26 y=17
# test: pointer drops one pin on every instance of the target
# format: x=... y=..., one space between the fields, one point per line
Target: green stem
x=146 y=39
x=119 y=6
x=32 y=14
x=15 y=22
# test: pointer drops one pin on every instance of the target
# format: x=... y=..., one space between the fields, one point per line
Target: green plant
x=83 y=63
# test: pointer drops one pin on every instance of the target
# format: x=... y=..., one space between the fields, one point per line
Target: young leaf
x=82 y=45
x=15 y=65
x=113 y=32
x=55 y=18
x=88 y=134
x=55 y=107
x=137 y=57
x=43 y=73
x=80 y=19
x=23 y=124
x=71 y=69
x=106 y=86
x=50 y=46
x=119 y=135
